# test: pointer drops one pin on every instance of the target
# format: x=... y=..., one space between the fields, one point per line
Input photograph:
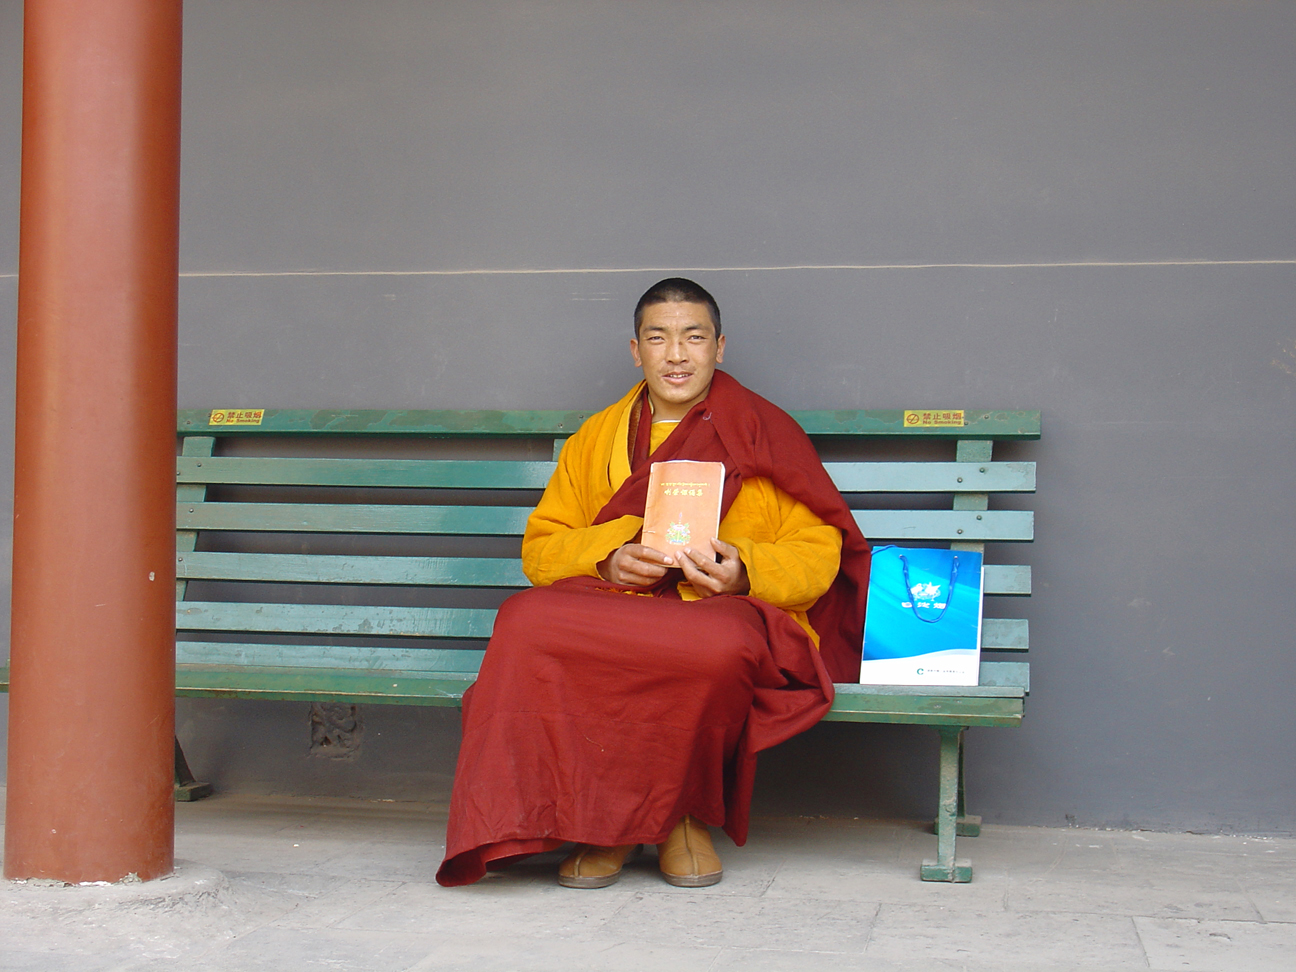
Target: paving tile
x=813 y=877
x=487 y=909
x=1161 y=894
x=388 y=860
x=503 y=954
x=805 y=960
x=278 y=949
x=1003 y=940
x=1273 y=892
x=277 y=851
x=313 y=900
x=1218 y=946
x=702 y=920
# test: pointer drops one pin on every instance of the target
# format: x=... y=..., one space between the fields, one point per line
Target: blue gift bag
x=923 y=622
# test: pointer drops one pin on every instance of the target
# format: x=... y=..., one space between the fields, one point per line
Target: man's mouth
x=678 y=375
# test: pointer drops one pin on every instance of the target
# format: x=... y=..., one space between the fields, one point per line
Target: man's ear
x=634 y=352
x=719 y=349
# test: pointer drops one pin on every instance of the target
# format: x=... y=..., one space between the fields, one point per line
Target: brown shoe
x=688 y=859
x=590 y=866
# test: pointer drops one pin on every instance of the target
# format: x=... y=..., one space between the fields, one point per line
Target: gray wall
x=1079 y=206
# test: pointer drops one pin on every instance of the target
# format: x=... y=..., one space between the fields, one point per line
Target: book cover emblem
x=678 y=533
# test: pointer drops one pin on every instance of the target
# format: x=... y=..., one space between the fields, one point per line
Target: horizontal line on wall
x=805 y=266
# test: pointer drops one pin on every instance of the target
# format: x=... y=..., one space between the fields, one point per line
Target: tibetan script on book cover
x=683 y=508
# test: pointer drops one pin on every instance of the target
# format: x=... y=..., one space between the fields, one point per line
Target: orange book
x=683 y=508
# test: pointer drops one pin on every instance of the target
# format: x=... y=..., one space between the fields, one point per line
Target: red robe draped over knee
x=603 y=714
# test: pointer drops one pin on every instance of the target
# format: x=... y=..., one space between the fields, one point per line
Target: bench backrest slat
x=333 y=569
x=393 y=566
x=355 y=620
x=874 y=423
x=343 y=518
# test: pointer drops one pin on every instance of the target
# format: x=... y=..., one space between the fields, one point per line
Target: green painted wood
x=329 y=569
x=344 y=518
x=850 y=477
x=358 y=620
x=419 y=473
x=1005 y=634
x=929 y=710
x=424 y=661
x=1004 y=579
x=196 y=445
x=933 y=477
x=998 y=679
x=973 y=450
x=872 y=422
x=483 y=424
x=447 y=689
x=321 y=685
x=439 y=571
x=945 y=867
x=365 y=620
x=878 y=525
x=4 y=678
x=1008 y=674
x=971 y=501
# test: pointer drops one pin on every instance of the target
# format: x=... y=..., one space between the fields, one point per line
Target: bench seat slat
x=345 y=518
x=933 y=477
x=332 y=569
x=317 y=685
x=357 y=620
x=412 y=473
x=1008 y=679
x=929 y=709
x=965 y=525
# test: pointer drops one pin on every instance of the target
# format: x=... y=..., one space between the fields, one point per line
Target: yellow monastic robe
x=790 y=554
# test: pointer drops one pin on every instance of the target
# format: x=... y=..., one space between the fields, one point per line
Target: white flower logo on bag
x=926 y=596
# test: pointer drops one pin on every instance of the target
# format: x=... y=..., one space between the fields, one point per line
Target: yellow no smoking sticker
x=933 y=418
x=236 y=416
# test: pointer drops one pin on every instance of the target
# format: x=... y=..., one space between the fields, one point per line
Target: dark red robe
x=602 y=715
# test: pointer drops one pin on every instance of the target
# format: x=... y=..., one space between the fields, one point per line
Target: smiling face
x=678 y=350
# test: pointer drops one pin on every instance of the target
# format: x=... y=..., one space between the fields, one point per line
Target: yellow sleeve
x=560 y=540
x=792 y=556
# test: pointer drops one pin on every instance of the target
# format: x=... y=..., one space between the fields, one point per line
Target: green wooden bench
x=358 y=556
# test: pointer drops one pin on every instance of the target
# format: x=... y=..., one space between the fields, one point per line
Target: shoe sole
x=602 y=881
x=693 y=880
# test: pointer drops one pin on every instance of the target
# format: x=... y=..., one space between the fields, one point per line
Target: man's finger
x=648 y=554
x=727 y=551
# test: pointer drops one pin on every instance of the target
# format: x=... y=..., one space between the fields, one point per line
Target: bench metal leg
x=967 y=825
x=187 y=789
x=946 y=867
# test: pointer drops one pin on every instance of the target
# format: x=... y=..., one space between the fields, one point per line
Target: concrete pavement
x=295 y=883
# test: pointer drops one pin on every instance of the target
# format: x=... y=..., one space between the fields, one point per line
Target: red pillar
x=92 y=705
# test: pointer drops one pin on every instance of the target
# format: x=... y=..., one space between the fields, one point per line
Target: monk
x=622 y=700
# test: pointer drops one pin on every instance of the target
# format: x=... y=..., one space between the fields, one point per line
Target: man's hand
x=709 y=578
x=634 y=565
